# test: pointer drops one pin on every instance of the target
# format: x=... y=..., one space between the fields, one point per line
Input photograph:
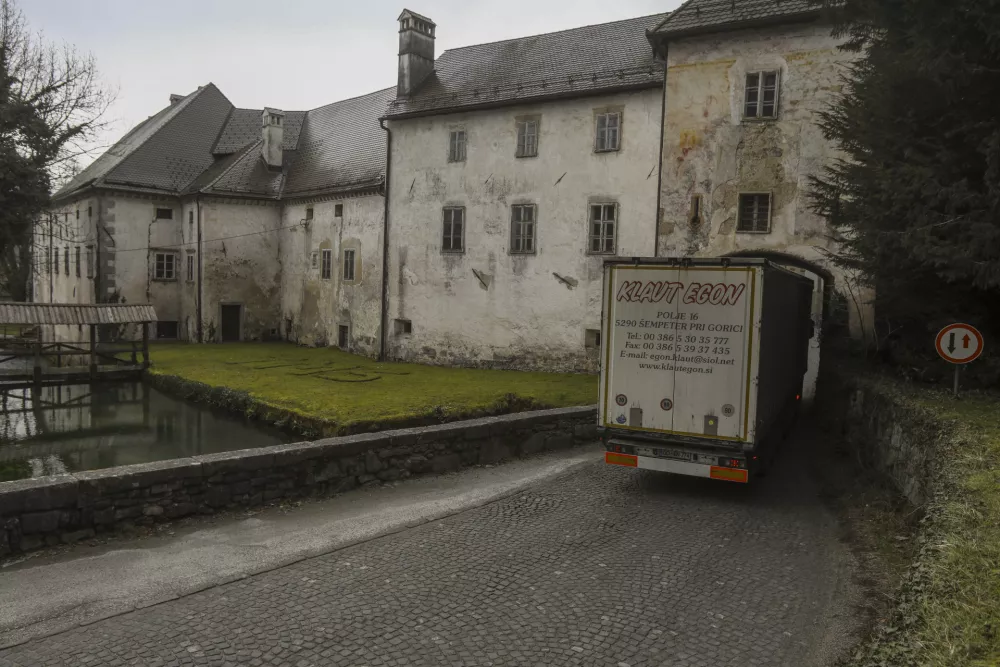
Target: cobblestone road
x=599 y=566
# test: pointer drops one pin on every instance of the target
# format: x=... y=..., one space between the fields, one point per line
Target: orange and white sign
x=959 y=343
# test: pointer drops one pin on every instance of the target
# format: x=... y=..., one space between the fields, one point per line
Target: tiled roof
x=711 y=15
x=249 y=174
x=579 y=61
x=340 y=144
x=243 y=127
x=180 y=149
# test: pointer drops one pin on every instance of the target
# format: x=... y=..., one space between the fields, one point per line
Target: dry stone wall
x=68 y=508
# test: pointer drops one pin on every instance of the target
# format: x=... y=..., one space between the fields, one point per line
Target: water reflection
x=54 y=430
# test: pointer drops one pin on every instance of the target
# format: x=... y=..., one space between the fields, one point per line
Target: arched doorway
x=823 y=282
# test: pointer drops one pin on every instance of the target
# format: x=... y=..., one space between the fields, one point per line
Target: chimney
x=175 y=98
x=273 y=130
x=416 y=51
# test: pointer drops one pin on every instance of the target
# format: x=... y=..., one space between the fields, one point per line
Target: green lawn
x=343 y=389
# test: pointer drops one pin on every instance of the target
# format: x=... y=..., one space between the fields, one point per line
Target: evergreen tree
x=916 y=197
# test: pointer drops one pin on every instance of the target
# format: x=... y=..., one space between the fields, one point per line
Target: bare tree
x=52 y=107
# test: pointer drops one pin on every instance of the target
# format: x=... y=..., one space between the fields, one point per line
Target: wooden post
x=93 y=352
x=145 y=345
x=38 y=359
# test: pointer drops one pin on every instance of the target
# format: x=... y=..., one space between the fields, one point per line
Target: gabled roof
x=703 y=16
x=580 y=61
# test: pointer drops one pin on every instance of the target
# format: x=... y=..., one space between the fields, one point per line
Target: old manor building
x=463 y=216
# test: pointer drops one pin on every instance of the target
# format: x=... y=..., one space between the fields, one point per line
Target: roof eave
x=784 y=19
x=347 y=188
x=575 y=94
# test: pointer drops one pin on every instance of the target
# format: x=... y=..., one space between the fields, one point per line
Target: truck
x=702 y=363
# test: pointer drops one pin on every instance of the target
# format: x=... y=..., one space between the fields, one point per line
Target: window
x=348 y=265
x=609 y=131
x=338 y=210
x=602 y=228
x=48 y=260
x=401 y=327
x=78 y=261
x=90 y=211
x=190 y=267
x=164 y=266
x=522 y=228
x=55 y=263
x=456 y=146
x=327 y=264
x=90 y=261
x=695 y=217
x=343 y=336
x=309 y=213
x=77 y=214
x=166 y=329
x=66 y=259
x=164 y=214
x=314 y=261
x=754 y=213
x=592 y=338
x=527 y=138
x=190 y=217
x=761 y=95
x=454 y=230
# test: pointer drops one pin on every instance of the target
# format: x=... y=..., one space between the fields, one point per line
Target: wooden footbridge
x=29 y=360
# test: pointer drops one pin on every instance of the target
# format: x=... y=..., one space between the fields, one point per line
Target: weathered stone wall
x=67 y=508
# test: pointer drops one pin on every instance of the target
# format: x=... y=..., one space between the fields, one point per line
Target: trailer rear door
x=678 y=346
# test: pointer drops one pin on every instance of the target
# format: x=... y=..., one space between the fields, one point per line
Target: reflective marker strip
x=729 y=474
x=621 y=459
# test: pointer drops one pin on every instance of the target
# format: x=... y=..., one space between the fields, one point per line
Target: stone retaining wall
x=68 y=508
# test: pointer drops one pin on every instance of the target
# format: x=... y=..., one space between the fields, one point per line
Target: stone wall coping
x=14 y=493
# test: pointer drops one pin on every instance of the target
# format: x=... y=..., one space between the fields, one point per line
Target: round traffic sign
x=959 y=343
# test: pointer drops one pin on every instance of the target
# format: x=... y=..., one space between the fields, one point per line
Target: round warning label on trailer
x=666 y=404
x=728 y=410
x=621 y=399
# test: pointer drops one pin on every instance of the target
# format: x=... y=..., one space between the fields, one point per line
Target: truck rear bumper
x=677 y=467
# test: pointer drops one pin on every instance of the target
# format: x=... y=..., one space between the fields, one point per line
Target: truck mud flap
x=677 y=467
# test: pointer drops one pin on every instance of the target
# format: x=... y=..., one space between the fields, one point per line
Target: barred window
x=55 y=262
x=90 y=261
x=78 y=261
x=522 y=228
x=761 y=99
x=755 y=213
x=456 y=146
x=165 y=266
x=453 y=239
x=327 y=267
x=603 y=219
x=66 y=258
x=527 y=138
x=190 y=267
x=609 y=127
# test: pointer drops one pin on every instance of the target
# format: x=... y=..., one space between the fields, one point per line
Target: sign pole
x=957 y=367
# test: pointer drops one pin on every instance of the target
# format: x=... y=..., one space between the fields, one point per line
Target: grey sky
x=289 y=54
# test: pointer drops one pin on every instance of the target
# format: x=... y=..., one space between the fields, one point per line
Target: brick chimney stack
x=416 y=51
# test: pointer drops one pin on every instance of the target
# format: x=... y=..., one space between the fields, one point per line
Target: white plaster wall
x=313 y=308
x=241 y=264
x=709 y=150
x=526 y=317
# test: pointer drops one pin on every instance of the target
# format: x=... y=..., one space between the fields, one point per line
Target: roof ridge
x=183 y=104
x=672 y=14
x=348 y=99
x=555 y=32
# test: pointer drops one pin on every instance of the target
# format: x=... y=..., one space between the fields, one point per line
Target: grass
x=344 y=391
x=949 y=609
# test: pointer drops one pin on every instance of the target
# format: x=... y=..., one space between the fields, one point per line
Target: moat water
x=55 y=430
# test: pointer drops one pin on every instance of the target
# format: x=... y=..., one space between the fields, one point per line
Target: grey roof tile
x=340 y=144
x=709 y=15
x=249 y=174
x=243 y=127
x=180 y=149
x=583 y=60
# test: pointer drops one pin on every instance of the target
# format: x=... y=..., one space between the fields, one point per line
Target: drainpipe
x=197 y=203
x=383 y=334
x=659 y=171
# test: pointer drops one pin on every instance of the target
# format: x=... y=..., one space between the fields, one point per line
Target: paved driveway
x=596 y=566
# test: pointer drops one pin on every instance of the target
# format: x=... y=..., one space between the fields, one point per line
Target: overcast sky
x=289 y=54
